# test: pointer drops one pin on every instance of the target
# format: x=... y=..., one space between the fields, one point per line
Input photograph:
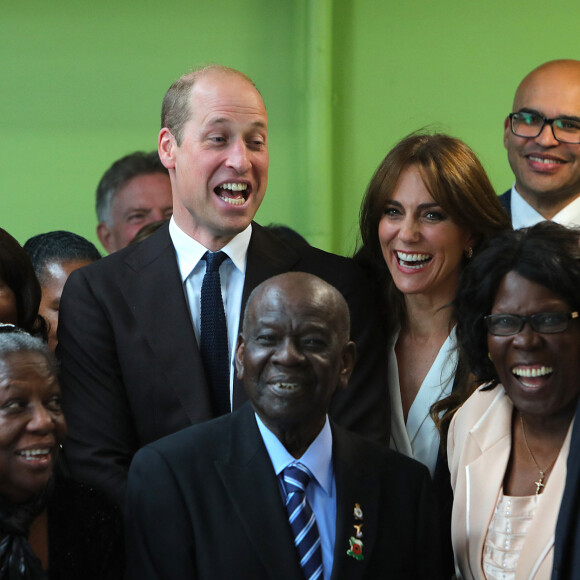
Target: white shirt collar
x=318 y=456
x=524 y=215
x=190 y=251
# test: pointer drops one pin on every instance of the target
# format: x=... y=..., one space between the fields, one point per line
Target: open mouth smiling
x=412 y=260
x=532 y=376
x=234 y=193
x=36 y=455
x=287 y=386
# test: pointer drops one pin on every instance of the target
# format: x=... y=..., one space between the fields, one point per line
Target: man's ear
x=105 y=236
x=347 y=361
x=166 y=145
x=239 y=358
x=506 y=131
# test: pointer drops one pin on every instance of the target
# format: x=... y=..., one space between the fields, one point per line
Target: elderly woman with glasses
x=517 y=311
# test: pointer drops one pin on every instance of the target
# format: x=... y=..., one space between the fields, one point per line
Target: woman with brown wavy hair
x=428 y=209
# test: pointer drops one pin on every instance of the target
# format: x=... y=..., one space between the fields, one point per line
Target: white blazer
x=479 y=445
x=419 y=438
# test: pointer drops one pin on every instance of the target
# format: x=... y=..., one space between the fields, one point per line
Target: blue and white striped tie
x=302 y=521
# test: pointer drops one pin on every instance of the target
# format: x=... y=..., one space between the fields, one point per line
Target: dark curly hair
x=17 y=273
x=547 y=254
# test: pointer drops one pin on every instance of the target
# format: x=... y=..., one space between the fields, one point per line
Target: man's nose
x=288 y=352
x=546 y=137
x=238 y=157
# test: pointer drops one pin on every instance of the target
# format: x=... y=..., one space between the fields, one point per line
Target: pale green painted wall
x=343 y=80
x=451 y=65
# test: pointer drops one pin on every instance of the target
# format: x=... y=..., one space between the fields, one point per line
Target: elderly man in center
x=277 y=490
x=542 y=138
x=147 y=335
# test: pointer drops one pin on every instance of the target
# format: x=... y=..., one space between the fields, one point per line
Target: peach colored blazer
x=478 y=450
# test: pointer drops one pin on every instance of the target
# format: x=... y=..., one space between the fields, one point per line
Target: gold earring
x=489 y=356
x=469 y=253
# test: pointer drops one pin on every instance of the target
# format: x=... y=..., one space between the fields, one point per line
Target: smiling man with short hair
x=542 y=138
x=133 y=192
x=147 y=337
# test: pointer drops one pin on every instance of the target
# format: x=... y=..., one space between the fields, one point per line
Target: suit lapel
x=492 y=436
x=540 y=537
x=267 y=256
x=154 y=294
x=249 y=478
x=355 y=484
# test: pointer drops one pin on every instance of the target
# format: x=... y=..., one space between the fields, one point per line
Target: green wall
x=343 y=80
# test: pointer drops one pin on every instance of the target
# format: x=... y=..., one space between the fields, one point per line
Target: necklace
x=540 y=483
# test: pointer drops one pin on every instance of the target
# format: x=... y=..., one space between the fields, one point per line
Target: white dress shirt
x=419 y=438
x=232 y=275
x=524 y=215
x=321 y=491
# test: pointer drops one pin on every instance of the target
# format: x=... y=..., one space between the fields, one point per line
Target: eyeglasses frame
x=545 y=121
x=531 y=321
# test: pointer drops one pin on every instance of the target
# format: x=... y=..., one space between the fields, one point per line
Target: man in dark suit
x=129 y=330
x=209 y=501
x=542 y=138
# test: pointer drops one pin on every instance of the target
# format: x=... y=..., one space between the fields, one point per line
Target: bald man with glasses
x=542 y=138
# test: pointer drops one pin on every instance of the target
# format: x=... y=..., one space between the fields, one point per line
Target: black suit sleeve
x=102 y=439
x=363 y=407
x=567 y=541
x=159 y=535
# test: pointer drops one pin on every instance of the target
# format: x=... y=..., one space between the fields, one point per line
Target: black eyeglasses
x=530 y=125
x=544 y=322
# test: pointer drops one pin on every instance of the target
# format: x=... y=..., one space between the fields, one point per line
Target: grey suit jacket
x=206 y=503
x=131 y=371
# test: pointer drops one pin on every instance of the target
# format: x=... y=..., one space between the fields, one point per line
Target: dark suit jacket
x=206 y=503
x=85 y=532
x=131 y=371
x=505 y=200
x=567 y=543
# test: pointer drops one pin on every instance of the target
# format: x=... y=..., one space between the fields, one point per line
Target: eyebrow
x=420 y=206
x=535 y=112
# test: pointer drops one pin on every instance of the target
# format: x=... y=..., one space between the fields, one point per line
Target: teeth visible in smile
x=531 y=373
x=235 y=186
x=407 y=260
x=33 y=453
x=544 y=160
x=243 y=187
x=412 y=257
x=231 y=201
x=287 y=386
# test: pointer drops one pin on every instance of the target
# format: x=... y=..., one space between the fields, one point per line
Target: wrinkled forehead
x=14 y=365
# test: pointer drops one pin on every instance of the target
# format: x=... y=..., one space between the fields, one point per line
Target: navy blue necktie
x=214 y=334
x=301 y=517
